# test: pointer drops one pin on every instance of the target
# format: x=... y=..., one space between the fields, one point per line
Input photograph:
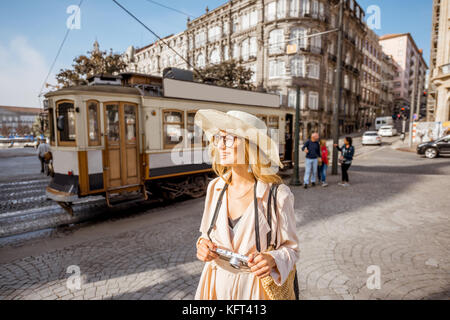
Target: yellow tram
x=132 y=135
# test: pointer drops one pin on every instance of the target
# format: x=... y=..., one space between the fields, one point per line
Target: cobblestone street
x=394 y=216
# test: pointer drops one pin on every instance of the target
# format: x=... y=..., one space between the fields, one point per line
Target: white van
x=383 y=121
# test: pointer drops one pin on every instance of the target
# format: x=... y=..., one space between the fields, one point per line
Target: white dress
x=218 y=279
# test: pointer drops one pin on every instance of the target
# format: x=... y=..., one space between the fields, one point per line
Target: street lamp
x=337 y=105
x=295 y=180
x=291 y=49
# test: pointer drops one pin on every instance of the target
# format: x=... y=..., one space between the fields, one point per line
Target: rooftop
x=21 y=109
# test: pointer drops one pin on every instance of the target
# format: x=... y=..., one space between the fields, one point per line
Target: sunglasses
x=228 y=140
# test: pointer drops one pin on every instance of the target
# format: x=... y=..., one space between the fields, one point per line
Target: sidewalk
x=404 y=145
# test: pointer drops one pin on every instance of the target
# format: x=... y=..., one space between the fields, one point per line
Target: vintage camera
x=236 y=260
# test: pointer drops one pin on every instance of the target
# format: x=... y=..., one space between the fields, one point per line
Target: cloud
x=22 y=71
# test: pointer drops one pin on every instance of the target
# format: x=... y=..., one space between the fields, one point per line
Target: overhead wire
x=157 y=36
x=170 y=8
x=58 y=53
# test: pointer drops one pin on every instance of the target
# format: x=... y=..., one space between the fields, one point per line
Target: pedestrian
x=345 y=159
x=43 y=148
x=238 y=143
x=312 y=150
x=323 y=163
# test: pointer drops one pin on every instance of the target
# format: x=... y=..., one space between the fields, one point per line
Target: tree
x=36 y=128
x=227 y=74
x=96 y=62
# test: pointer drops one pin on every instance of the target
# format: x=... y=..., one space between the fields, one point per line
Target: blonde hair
x=323 y=142
x=257 y=167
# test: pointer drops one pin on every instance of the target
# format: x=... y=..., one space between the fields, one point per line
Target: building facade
x=371 y=78
x=438 y=108
x=389 y=71
x=272 y=38
x=17 y=120
x=409 y=84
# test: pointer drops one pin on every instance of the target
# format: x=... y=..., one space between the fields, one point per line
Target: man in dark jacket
x=312 y=149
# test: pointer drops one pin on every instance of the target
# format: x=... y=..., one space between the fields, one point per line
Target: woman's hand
x=261 y=264
x=204 y=252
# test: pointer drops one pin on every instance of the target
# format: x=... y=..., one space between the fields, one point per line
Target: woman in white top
x=245 y=158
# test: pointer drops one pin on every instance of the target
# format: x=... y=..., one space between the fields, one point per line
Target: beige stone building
x=438 y=108
x=257 y=33
x=389 y=70
x=409 y=84
x=377 y=80
x=370 y=78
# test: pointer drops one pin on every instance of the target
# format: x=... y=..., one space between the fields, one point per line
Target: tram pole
x=295 y=180
x=338 y=92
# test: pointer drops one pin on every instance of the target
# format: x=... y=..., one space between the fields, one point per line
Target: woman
x=346 y=158
x=323 y=167
x=239 y=147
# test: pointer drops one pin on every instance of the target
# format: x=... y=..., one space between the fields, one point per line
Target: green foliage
x=96 y=62
x=227 y=74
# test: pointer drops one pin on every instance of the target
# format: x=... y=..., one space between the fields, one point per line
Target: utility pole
x=295 y=180
x=419 y=96
x=412 y=104
x=338 y=93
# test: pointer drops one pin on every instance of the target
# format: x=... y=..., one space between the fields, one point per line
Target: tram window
x=112 y=123
x=66 y=122
x=263 y=118
x=93 y=124
x=273 y=122
x=273 y=127
x=130 y=122
x=173 y=127
x=51 y=126
x=195 y=134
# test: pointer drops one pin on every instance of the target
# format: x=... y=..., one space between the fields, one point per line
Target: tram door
x=121 y=145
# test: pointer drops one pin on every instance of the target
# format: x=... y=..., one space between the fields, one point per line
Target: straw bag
x=289 y=289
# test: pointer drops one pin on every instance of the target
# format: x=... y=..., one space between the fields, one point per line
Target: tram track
x=24 y=207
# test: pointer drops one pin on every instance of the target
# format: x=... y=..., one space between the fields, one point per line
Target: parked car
x=434 y=148
x=371 y=137
x=32 y=144
x=387 y=131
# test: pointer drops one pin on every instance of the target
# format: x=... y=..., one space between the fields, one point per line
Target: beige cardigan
x=218 y=279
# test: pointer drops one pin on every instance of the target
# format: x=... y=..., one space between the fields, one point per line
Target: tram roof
x=95 y=88
x=179 y=89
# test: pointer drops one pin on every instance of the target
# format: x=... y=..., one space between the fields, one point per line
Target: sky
x=31 y=32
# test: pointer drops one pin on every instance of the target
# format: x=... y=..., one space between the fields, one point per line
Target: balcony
x=317 y=50
x=332 y=57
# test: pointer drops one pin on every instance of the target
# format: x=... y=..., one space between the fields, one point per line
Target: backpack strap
x=255 y=202
x=272 y=194
x=216 y=211
x=275 y=210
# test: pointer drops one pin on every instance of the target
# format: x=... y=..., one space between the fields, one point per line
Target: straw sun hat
x=244 y=125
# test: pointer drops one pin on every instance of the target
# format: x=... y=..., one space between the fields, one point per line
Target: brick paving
x=394 y=216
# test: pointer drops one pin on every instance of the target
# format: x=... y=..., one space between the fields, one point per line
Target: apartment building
x=270 y=38
x=409 y=84
x=438 y=107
